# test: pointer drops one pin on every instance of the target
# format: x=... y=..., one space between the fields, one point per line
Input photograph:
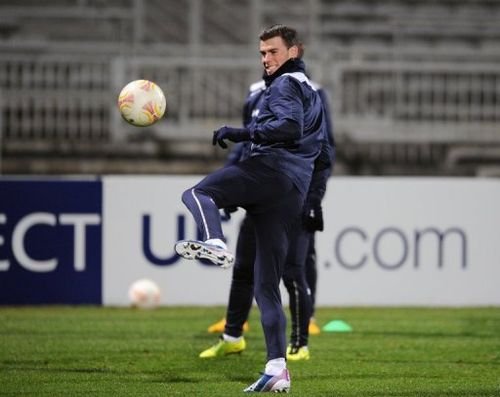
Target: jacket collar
x=290 y=66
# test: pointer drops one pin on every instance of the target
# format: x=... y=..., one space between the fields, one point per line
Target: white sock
x=232 y=339
x=218 y=242
x=275 y=366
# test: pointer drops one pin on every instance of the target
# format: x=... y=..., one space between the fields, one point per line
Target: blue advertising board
x=50 y=242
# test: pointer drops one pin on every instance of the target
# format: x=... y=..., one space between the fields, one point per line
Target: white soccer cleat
x=268 y=383
x=193 y=249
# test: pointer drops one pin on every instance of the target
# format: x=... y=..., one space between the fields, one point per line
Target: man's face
x=274 y=54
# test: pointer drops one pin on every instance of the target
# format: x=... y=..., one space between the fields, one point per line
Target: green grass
x=89 y=351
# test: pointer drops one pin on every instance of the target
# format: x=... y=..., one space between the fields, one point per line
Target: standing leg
x=273 y=230
x=272 y=245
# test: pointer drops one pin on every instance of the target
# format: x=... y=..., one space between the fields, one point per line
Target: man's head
x=278 y=44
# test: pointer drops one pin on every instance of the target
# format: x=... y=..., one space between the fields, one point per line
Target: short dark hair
x=288 y=34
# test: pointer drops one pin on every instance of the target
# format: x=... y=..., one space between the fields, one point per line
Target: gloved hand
x=228 y=211
x=312 y=218
x=230 y=133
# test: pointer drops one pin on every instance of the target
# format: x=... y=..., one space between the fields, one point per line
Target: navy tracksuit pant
x=241 y=293
x=274 y=205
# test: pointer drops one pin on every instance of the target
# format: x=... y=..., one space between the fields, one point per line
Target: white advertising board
x=410 y=241
x=387 y=241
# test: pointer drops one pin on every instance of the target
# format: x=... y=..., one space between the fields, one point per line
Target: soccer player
x=271 y=185
x=241 y=295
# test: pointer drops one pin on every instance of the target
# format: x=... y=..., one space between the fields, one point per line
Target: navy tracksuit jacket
x=271 y=184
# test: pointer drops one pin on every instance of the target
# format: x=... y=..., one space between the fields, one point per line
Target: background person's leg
x=311 y=271
x=241 y=293
x=298 y=290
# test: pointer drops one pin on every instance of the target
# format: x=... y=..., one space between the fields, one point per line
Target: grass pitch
x=92 y=351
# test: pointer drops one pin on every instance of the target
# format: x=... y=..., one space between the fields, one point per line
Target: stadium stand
x=414 y=85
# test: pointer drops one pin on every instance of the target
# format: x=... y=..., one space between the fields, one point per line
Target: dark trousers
x=311 y=270
x=241 y=292
x=298 y=289
x=274 y=205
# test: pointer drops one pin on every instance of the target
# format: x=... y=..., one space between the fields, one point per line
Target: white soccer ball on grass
x=144 y=293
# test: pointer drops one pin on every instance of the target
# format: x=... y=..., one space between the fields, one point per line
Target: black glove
x=313 y=218
x=231 y=134
x=228 y=211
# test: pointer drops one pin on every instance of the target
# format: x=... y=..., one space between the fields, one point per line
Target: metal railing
x=73 y=99
x=54 y=98
x=419 y=102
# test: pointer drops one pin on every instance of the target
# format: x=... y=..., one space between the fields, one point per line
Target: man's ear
x=293 y=51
